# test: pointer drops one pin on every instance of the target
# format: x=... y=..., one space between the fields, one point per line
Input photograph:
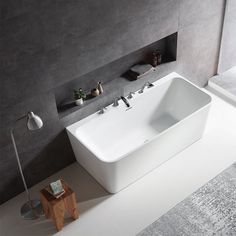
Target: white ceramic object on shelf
x=128 y=143
x=79 y=102
x=100 y=88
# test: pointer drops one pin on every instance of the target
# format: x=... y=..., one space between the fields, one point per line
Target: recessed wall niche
x=111 y=71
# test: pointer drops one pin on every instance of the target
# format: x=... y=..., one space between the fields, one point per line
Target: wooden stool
x=55 y=208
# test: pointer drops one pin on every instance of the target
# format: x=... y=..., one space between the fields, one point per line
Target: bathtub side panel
x=153 y=154
x=105 y=173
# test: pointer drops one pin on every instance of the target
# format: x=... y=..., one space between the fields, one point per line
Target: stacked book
x=56 y=189
x=139 y=70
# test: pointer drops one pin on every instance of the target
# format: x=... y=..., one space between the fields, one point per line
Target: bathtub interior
x=179 y=101
x=115 y=134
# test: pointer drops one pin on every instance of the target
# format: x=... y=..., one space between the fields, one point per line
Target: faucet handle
x=142 y=89
x=102 y=111
x=149 y=85
x=130 y=95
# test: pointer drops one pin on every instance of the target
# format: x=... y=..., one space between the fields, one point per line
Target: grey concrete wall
x=45 y=44
x=228 y=46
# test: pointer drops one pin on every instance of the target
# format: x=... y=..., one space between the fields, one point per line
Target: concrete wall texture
x=45 y=44
x=228 y=49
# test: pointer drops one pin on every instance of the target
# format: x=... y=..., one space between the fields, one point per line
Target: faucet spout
x=116 y=103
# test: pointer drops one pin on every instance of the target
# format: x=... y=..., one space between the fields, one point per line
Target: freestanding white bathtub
x=121 y=145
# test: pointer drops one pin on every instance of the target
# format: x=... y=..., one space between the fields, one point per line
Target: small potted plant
x=79 y=96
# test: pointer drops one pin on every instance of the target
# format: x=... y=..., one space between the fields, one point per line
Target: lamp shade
x=34 y=122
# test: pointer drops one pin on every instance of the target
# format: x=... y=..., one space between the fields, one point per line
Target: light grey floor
x=134 y=208
x=211 y=210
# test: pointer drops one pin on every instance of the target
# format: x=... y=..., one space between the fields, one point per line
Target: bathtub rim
x=158 y=82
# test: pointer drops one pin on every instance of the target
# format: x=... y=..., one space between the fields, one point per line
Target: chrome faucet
x=125 y=101
x=148 y=85
x=102 y=111
x=130 y=95
x=116 y=103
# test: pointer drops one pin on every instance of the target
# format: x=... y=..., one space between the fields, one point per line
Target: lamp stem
x=19 y=165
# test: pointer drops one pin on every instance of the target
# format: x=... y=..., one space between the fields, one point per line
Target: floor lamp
x=32 y=209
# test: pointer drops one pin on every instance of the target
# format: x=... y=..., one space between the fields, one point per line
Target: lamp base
x=31 y=210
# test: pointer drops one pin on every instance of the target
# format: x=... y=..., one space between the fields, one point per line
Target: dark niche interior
x=109 y=73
